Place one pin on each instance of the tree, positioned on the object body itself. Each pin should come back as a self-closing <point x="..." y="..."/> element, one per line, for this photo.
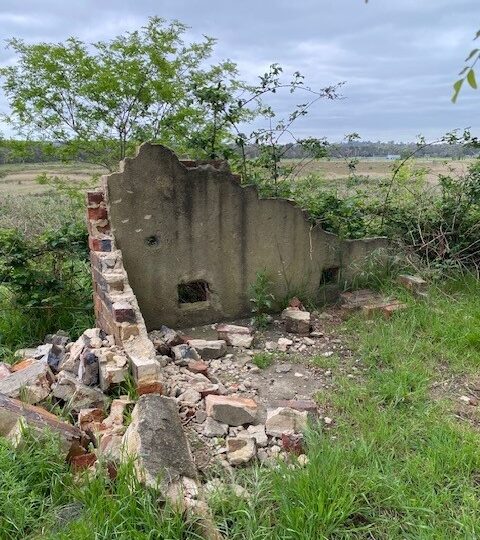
<point x="98" y="101"/>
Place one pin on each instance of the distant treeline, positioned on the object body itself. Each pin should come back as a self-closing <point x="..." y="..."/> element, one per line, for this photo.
<point x="369" y="149"/>
<point x="17" y="151"/>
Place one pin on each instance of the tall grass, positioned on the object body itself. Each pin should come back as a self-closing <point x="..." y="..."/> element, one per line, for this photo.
<point x="40" y="498"/>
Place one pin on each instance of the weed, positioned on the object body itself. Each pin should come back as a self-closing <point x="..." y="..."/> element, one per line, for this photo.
<point x="263" y="359"/>
<point x="261" y="298"/>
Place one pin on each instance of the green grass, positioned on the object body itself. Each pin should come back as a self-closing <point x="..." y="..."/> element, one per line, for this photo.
<point x="263" y="360"/>
<point x="25" y="326"/>
<point x="398" y="465"/>
<point x="40" y="498"/>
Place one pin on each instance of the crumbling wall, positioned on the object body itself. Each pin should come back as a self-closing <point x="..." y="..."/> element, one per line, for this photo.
<point x="192" y="239"/>
<point x="116" y="309"/>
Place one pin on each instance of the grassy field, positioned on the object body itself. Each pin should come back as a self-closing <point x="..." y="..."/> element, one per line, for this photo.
<point x="21" y="179"/>
<point x="337" y="169"/>
<point x="400" y="460"/>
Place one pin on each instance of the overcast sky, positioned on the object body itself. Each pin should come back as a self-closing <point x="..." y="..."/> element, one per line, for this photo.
<point x="399" y="58"/>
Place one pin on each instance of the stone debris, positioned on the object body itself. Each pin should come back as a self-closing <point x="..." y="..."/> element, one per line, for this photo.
<point x="30" y="381"/>
<point x="236" y="336"/>
<point x="231" y="410"/>
<point x="4" y="371"/>
<point x="284" y="420"/>
<point x="88" y="372"/>
<point x="415" y="284"/>
<point x="209" y="350"/>
<point x="293" y="443"/>
<point x="284" y="344"/>
<point x="183" y="354"/>
<point x="198" y="366"/>
<point x="295" y="303"/>
<point x="190" y="397"/>
<point x="113" y="368"/>
<point x="14" y="414"/>
<point x="296" y="321"/>
<point x="240" y="450"/>
<point x="77" y="395"/>
<point x="259" y="434"/>
<point x="469" y="400"/>
<point x="369" y="303"/>
<point x="91" y="419"/>
<point x="212" y="428"/>
<point x="156" y="440"/>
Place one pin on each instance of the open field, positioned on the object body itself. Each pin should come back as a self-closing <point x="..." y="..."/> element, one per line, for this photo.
<point x="336" y="169"/>
<point x="21" y="179"/>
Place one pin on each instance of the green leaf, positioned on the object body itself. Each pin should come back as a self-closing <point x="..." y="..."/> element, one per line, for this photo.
<point x="471" y="79"/>
<point x="472" y="54"/>
<point x="456" y="89"/>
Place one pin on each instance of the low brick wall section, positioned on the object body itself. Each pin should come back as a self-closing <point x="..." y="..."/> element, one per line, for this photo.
<point x="116" y="308"/>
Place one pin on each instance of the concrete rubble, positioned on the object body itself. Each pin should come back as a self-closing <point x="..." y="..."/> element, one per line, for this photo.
<point x="155" y="419"/>
<point x="296" y="320"/>
<point x="237" y="336"/>
<point x="369" y="303"/>
<point x="210" y="397"/>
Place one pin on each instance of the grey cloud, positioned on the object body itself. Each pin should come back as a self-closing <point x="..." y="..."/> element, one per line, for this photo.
<point x="398" y="57"/>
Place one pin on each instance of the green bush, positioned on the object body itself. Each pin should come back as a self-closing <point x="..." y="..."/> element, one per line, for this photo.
<point x="440" y="223"/>
<point x="45" y="284"/>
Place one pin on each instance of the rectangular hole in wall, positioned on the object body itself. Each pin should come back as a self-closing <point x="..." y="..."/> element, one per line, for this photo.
<point x="329" y="275"/>
<point x="192" y="292"/>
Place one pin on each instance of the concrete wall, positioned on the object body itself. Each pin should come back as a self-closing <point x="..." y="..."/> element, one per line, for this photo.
<point x="176" y="224"/>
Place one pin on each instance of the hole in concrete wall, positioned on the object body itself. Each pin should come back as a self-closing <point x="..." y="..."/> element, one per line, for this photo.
<point x="193" y="291"/>
<point x="329" y="275"/>
<point x="152" y="240"/>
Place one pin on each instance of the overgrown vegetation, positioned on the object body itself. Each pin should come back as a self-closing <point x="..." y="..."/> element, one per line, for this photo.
<point x="45" y="282"/>
<point x="262" y="299"/>
<point x="398" y="462"/>
<point x="40" y="498"/>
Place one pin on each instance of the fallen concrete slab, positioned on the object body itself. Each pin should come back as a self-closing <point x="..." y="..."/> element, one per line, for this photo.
<point x="14" y="413"/>
<point x="33" y="381"/>
<point x="156" y="440"/>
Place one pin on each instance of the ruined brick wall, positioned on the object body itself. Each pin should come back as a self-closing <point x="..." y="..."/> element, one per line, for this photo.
<point x="192" y="240"/>
<point x="116" y="308"/>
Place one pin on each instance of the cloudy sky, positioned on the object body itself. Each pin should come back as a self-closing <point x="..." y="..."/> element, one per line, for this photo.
<point x="399" y="58"/>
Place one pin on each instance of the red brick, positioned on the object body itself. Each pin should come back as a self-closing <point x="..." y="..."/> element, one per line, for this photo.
<point x="198" y="366"/>
<point x="98" y="213"/>
<point x="150" y="388"/>
<point x="123" y="312"/>
<point x="22" y="365"/>
<point x="95" y="197"/>
<point x="100" y="244"/>
<point x="80" y="463"/>
<point x="292" y="443"/>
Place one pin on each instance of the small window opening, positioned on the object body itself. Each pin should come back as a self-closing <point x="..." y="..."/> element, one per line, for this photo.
<point x="152" y="240"/>
<point x="193" y="291"/>
<point x="329" y="275"/>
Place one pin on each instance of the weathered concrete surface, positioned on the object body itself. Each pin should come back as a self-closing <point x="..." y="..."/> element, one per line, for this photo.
<point x="155" y="438"/>
<point x="14" y="413"/>
<point x="176" y="225"/>
<point x="33" y="378"/>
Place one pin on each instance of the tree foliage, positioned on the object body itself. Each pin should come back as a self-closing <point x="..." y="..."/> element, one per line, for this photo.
<point x="100" y="100"/>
